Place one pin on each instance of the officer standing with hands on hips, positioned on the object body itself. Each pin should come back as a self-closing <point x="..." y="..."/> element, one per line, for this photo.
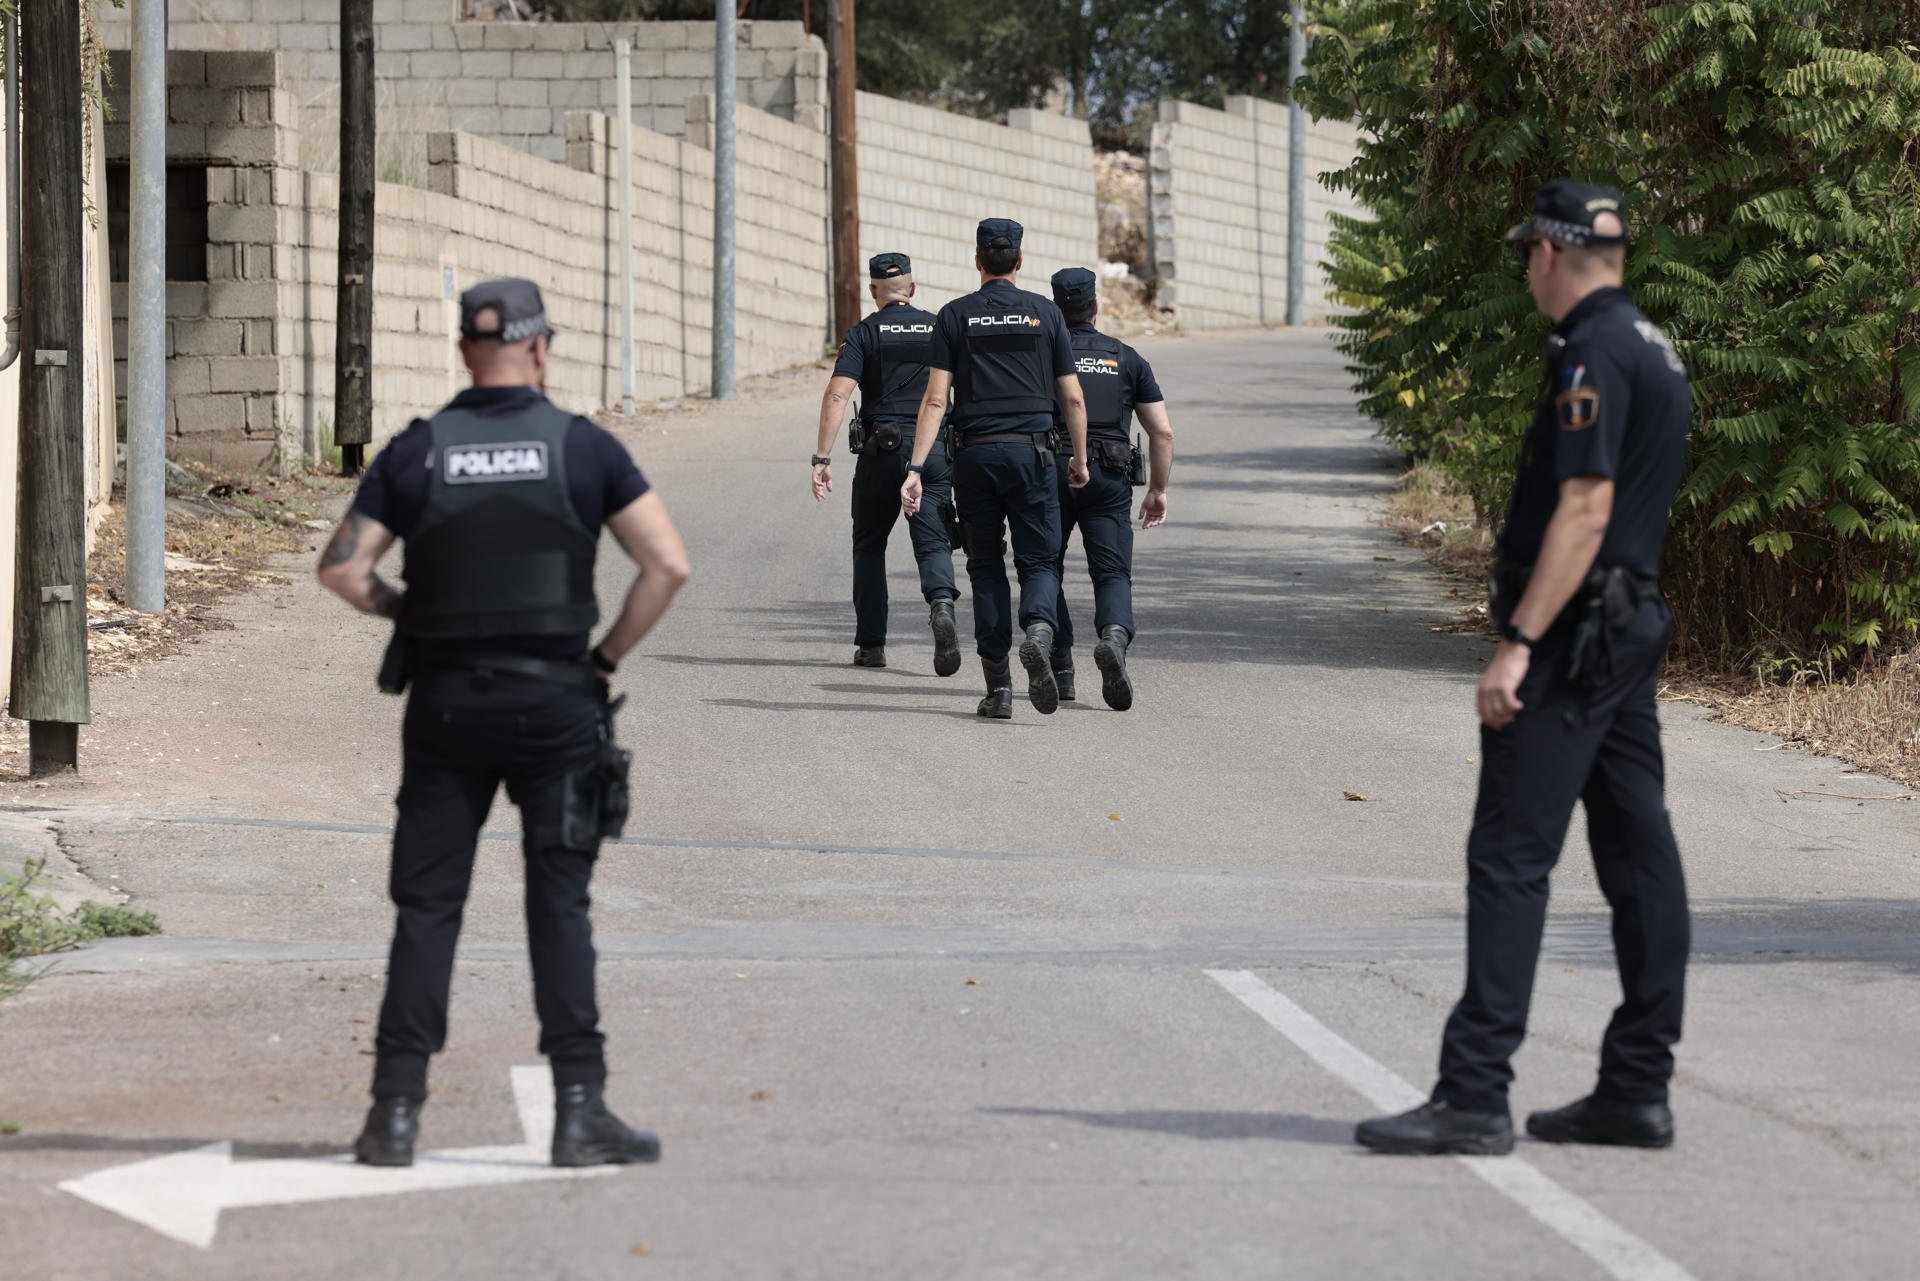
<point x="885" y="357"/>
<point x="1006" y="356"/>
<point x="1117" y="382"/>
<point x="1567" y="705"/>
<point x="500" y="498"/>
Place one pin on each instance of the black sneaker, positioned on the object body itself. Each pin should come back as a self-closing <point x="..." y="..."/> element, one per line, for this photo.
<point x="1036" y="653"/>
<point x="389" y="1134"/>
<point x="946" y="638"/>
<point x="585" y="1132"/>
<point x="1110" y="656"/>
<point x="870" y="656"/>
<point x="1438" y="1129"/>
<point x="1605" y="1121"/>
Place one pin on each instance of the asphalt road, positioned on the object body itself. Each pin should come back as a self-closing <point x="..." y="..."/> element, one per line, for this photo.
<point x="911" y="995"/>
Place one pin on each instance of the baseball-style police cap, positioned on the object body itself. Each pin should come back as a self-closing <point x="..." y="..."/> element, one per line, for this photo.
<point x="1564" y="210"/>
<point x="998" y="233"/>
<point x="517" y="311"/>
<point x="1074" y="287"/>
<point x="887" y="266"/>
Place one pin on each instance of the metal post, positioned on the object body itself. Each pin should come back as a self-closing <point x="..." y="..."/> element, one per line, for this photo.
<point x="10" y="26"/>
<point x="723" y="193"/>
<point x="1296" y="164"/>
<point x="623" y="68"/>
<point x="50" y="580"/>
<point x="353" y="336"/>
<point x="147" y="314"/>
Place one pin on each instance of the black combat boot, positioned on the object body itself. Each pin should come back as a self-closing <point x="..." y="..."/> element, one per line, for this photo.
<point x="1438" y="1129"/>
<point x="870" y="656"/>
<point x="1062" y="664"/>
<point x="389" y="1134"/>
<point x="946" y="638"/>
<point x="1036" y="654"/>
<point x="1110" y="655"/>
<point x="998" y="704"/>
<point x="1605" y="1121"/>
<point x="586" y="1133"/>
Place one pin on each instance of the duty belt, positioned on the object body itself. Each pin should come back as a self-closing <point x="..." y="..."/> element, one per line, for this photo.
<point x="1037" y="439"/>
<point x="577" y="674"/>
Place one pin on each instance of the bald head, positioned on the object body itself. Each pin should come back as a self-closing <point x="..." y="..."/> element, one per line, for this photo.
<point x="493" y="363"/>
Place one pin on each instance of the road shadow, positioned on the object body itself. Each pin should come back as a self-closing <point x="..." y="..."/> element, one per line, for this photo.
<point x="771" y="705"/>
<point x="711" y="660"/>
<point x="1288" y="1127"/>
<point x="161" y="1145"/>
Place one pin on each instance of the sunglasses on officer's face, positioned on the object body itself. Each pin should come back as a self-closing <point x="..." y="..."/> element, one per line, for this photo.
<point x="1523" y="250"/>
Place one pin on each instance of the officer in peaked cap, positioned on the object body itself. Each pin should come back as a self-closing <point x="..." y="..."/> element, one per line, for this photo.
<point x="1117" y="383"/>
<point x="885" y="358"/>
<point x="500" y="498"/>
<point x="1005" y="355"/>
<point x="1567" y="707"/>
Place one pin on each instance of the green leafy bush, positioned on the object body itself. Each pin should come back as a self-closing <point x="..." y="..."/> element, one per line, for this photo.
<point x="1768" y="148"/>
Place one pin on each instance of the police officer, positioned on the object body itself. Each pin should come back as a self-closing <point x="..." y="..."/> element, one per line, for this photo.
<point x="1006" y="356"/>
<point x="500" y="498"/>
<point x="885" y="357"/>
<point x="1567" y="705"/>
<point x="1116" y="381"/>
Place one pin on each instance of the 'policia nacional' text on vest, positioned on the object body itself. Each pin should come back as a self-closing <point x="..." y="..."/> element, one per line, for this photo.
<point x="1098" y="360"/>
<point x="499" y="550"/>
<point x="1004" y="365"/>
<point x="893" y="379"/>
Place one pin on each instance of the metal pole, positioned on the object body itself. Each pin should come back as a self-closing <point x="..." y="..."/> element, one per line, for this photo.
<point x="623" y="68"/>
<point x="147" y="314"/>
<point x="353" y="316"/>
<point x="1296" y="164"/>
<point x="50" y="579"/>
<point x="723" y="192"/>
<point x="10" y="25"/>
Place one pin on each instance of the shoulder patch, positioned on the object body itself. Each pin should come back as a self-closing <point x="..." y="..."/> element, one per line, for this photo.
<point x="1578" y="404"/>
<point x="1650" y="333"/>
<point x="483" y="464"/>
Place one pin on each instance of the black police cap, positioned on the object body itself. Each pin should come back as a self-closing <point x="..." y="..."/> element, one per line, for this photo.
<point x="1074" y="286"/>
<point x="887" y="266"/>
<point x="1564" y="210"/>
<point x="518" y="312"/>
<point x="998" y="233"/>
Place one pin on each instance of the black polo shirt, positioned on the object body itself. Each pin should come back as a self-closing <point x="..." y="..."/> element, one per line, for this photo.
<point x="601" y="481"/>
<point x="949" y="336"/>
<point x="1615" y="405"/>
<point x="905" y="383"/>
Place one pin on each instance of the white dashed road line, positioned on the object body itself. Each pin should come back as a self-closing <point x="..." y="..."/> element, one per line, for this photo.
<point x="1623" y="1255"/>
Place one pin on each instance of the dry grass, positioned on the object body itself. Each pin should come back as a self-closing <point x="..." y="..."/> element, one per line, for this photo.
<point x="1432" y="513"/>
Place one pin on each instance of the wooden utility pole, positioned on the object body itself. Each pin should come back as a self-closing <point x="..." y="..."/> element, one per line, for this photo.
<point x="50" y="581"/>
<point x="353" y="337"/>
<point x="845" y="163"/>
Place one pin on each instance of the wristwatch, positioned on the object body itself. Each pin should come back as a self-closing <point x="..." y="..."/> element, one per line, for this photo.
<point x="917" y="468"/>
<point x="1512" y="633"/>
<point x="823" y="460"/>
<point x="601" y="663"/>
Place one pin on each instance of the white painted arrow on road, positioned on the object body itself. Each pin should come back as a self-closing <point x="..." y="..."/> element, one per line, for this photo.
<point x="180" y="1195"/>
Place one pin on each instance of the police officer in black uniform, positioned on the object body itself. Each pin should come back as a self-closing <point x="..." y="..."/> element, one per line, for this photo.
<point x="885" y="358"/>
<point x="500" y="498"/>
<point x="1116" y="381"/>
<point x="1006" y="356"/>
<point x="1567" y="705"/>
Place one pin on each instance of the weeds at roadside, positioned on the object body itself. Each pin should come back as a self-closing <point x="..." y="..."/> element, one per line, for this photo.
<point x="33" y="925"/>
<point x="1431" y="511"/>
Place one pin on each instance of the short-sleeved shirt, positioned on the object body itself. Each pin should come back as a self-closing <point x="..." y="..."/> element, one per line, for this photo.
<point x="859" y="347"/>
<point x="602" y="480"/>
<point x="949" y="338"/>
<point x="1138" y="384"/>
<point x="1615" y="406"/>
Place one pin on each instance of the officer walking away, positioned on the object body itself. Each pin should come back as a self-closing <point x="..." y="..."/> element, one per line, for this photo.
<point x="1006" y="356"/>
<point x="885" y="357"/>
<point x="1567" y="705"/>
<point x="500" y="498"/>
<point x="1117" y="383"/>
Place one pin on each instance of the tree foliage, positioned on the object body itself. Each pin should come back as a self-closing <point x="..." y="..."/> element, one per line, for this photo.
<point x="1770" y="150"/>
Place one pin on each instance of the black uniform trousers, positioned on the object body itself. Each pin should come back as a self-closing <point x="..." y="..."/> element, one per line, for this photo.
<point x="877" y="478"/>
<point x="1601" y="748"/>
<point x="1104" y="513"/>
<point x="465" y="734"/>
<point x="1001" y="487"/>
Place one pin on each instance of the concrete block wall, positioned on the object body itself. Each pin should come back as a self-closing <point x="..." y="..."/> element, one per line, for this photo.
<point x="513" y="82"/>
<point x="1218" y="211"/>
<point x="927" y="177"/>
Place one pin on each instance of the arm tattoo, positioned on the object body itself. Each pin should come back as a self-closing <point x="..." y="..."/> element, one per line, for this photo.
<point x="383" y="599"/>
<point x="346" y="541"/>
<point x="836" y="397"/>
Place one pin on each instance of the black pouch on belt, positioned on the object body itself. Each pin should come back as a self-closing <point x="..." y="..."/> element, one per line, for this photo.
<point x="396" y="665"/>
<point x="885" y="439"/>
<point x="1112" y="455"/>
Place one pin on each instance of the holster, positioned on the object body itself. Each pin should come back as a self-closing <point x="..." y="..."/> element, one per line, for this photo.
<point x="599" y="797"/>
<point x="1608" y="602"/>
<point x="396" y="665"/>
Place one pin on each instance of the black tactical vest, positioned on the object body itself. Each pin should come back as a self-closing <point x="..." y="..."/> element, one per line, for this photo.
<point x="1004" y="367"/>
<point x="499" y="550"/>
<point x="893" y="380"/>
<point x="1103" y="384"/>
